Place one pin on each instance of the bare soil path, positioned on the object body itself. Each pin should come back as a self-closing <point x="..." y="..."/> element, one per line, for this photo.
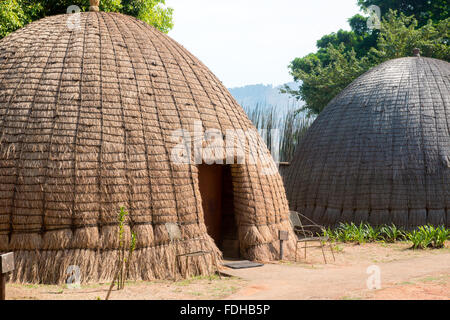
<point x="275" y="281"/>
<point x="404" y="274"/>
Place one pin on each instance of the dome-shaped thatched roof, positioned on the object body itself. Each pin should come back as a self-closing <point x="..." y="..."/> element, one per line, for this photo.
<point x="380" y="151"/>
<point x="87" y="116"/>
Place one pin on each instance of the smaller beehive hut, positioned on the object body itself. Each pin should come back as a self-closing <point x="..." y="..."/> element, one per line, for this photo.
<point x="380" y="151"/>
<point x="89" y="106"/>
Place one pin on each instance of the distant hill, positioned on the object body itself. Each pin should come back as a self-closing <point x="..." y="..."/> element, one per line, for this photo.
<point x="266" y="96"/>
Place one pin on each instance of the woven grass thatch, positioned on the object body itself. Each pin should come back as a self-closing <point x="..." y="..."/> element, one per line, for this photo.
<point x="380" y="151"/>
<point x="86" y="117"/>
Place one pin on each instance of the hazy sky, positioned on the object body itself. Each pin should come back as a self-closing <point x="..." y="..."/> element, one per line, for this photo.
<point x="253" y="41"/>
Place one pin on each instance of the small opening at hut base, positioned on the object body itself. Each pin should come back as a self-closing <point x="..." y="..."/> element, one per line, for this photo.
<point x="216" y="189"/>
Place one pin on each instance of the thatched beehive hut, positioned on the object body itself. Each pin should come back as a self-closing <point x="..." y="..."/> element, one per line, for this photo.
<point x="87" y="115"/>
<point x="380" y="151"/>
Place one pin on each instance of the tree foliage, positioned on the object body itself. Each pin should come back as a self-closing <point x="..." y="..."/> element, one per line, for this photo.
<point x="343" y="56"/>
<point x="15" y="14"/>
<point x="400" y="34"/>
<point x="422" y="10"/>
<point x="323" y="81"/>
<point x="151" y="12"/>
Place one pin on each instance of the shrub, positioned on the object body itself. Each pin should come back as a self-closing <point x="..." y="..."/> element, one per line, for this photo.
<point x="360" y="234"/>
<point x="429" y="237"/>
<point x="423" y="237"/>
<point x="392" y="234"/>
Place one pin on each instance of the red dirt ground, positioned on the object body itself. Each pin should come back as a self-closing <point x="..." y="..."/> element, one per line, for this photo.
<point x="404" y="274"/>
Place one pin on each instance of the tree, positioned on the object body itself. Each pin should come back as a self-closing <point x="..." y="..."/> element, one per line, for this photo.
<point x="321" y="82"/>
<point x="326" y="73"/>
<point x="400" y="35"/>
<point x="360" y="39"/>
<point x="418" y="23"/>
<point x="15" y="14"/>
<point x="422" y="10"/>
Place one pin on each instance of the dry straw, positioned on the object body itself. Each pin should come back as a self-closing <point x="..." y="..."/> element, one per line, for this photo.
<point x="86" y="117"/>
<point x="380" y="151"/>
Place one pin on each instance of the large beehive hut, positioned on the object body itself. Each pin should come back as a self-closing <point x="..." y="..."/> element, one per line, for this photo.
<point x="87" y="112"/>
<point x="380" y="151"/>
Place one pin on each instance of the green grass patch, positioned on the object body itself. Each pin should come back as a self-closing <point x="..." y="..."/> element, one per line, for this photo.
<point x="423" y="237"/>
<point x="186" y="282"/>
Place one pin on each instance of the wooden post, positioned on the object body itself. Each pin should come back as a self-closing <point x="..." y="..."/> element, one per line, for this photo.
<point x="6" y="266"/>
<point x="283" y="235"/>
<point x="2" y="286"/>
<point x="281" y="249"/>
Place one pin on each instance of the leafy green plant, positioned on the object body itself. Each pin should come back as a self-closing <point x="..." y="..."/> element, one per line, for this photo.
<point x="121" y="260"/>
<point x="419" y="238"/>
<point x="360" y="234"/>
<point x="392" y="233"/>
<point x="128" y="259"/>
<point x="372" y="233"/>
<point x="441" y="235"/>
<point x="423" y="237"/>
<point x="330" y="234"/>
<point x="429" y="237"/>
<point x="123" y="263"/>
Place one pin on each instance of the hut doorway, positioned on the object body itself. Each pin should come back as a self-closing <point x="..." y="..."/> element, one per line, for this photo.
<point x="216" y="189"/>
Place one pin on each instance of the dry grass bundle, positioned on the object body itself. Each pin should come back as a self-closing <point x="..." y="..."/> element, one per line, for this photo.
<point x="291" y="125"/>
<point x="86" y="118"/>
<point x="379" y="151"/>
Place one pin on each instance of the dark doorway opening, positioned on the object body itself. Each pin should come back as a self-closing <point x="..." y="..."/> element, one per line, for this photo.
<point x="216" y="189"/>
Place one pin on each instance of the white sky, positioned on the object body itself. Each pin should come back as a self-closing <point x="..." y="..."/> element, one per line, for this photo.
<point x="253" y="41"/>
